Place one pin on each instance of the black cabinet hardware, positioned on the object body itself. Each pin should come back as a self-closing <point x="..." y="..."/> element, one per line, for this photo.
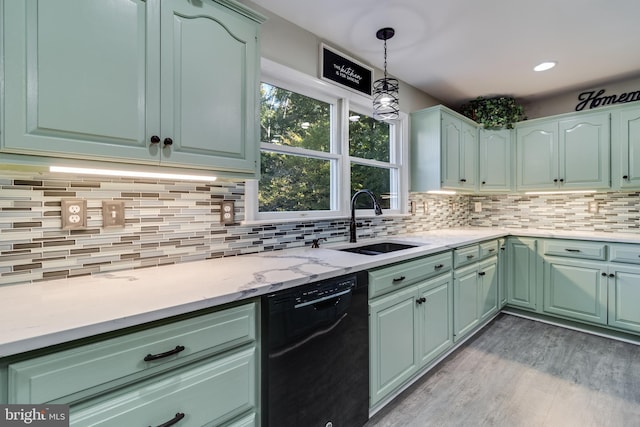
<point x="604" y="274"/>
<point x="167" y="141"/>
<point x="172" y="421"/>
<point x="438" y="267"/>
<point x="482" y="273"/>
<point x="463" y="180"/>
<point x="150" y="357"/>
<point x="625" y="176"/>
<point x="555" y="180"/>
<point x="612" y="275"/>
<point x="470" y="256"/>
<point x="398" y="279"/>
<point x="155" y="139"/>
<point x="421" y="300"/>
<point x="572" y="250"/>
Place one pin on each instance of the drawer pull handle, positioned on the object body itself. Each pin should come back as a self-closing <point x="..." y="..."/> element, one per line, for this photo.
<point x="492" y="250"/>
<point x="470" y="256"/>
<point x="572" y="250"/>
<point x="172" y="421"/>
<point x="398" y="279"/>
<point x="149" y="357"/>
<point x="439" y="266"/>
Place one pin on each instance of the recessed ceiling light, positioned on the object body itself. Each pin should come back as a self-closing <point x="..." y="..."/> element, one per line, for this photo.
<point x="545" y="66"/>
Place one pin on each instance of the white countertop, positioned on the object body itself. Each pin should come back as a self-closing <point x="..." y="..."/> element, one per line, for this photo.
<point x="52" y="312"/>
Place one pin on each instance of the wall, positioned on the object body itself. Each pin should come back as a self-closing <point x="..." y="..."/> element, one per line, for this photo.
<point x="166" y="223"/>
<point x="617" y="212"/>
<point x="290" y="45"/>
<point x="566" y="101"/>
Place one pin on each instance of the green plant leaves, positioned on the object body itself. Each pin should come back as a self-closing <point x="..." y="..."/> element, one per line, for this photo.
<point x="494" y="113"/>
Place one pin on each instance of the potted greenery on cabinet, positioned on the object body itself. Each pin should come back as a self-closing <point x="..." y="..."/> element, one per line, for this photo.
<point x="494" y="113"/>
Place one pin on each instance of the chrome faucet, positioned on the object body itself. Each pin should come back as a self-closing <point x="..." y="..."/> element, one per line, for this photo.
<point x="352" y="224"/>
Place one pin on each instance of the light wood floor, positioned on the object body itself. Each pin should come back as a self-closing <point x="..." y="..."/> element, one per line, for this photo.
<point x="519" y="372"/>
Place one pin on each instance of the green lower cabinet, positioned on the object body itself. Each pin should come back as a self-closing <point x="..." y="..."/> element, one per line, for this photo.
<point x="475" y="295"/>
<point x="435" y="322"/>
<point x="502" y="272"/>
<point x="207" y="394"/>
<point x="522" y="272"/>
<point x="624" y="297"/>
<point x="575" y="289"/>
<point x="408" y="329"/>
<point x="466" y="294"/>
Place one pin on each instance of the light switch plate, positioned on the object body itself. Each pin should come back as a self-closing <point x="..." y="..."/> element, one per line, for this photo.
<point x="113" y="214"/>
<point x="227" y="215"/>
<point x="73" y="213"/>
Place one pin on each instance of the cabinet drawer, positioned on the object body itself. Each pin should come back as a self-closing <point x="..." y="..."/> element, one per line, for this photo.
<point x="625" y="253"/>
<point x="210" y="393"/>
<point x="576" y="249"/>
<point x="488" y="249"/>
<point x="387" y="279"/>
<point x="466" y="255"/>
<point x="54" y="376"/>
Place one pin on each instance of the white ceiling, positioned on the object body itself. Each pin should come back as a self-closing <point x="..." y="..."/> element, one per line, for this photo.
<point x="456" y="50"/>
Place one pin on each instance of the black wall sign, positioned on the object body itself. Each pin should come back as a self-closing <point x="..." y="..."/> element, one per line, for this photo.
<point x="344" y="71"/>
<point x="592" y="99"/>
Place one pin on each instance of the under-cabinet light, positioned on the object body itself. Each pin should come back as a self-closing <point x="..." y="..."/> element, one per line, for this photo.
<point x="561" y="192"/>
<point x="447" y="192"/>
<point x="131" y="174"/>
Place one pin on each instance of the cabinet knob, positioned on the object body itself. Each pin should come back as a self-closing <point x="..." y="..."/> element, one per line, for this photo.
<point x="155" y="139"/>
<point x="482" y="273"/>
<point x="625" y="176"/>
<point x="484" y="182"/>
<point x="463" y="180"/>
<point x="421" y="300"/>
<point x="561" y="179"/>
<point x="168" y="141"/>
<point x="612" y="275"/>
<point x="604" y="274"/>
<point x="555" y="180"/>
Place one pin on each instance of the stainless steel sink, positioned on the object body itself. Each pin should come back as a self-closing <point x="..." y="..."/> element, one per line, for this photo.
<point x="379" y="248"/>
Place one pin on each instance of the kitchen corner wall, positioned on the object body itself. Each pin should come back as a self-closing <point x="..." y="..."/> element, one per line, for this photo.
<point x="616" y="212"/>
<point x="166" y="223"/>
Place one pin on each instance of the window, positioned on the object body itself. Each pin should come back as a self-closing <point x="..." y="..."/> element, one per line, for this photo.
<point x="319" y="145"/>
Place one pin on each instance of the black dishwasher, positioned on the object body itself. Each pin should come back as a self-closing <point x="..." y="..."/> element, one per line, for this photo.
<point x="316" y="354"/>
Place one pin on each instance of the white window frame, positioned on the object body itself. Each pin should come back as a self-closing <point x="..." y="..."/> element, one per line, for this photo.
<point x="342" y="102"/>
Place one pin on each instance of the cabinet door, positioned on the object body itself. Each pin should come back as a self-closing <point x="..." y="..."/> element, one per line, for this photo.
<point x="209" y="86"/>
<point x="495" y="160"/>
<point x="435" y="317"/>
<point x="488" y="288"/>
<point x="537" y="155"/>
<point x="522" y="272"/>
<point x="575" y="289"/>
<point x="627" y="144"/>
<point x="392" y="338"/>
<point x="466" y="294"/>
<point x="77" y="78"/>
<point x="459" y="154"/>
<point x="624" y="294"/>
<point x="584" y="152"/>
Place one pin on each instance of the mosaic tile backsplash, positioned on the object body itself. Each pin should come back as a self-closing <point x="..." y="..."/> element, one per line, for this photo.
<point x="172" y="222"/>
<point x="166" y="222"/>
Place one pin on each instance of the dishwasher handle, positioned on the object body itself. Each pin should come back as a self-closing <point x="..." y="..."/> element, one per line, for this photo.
<point x="322" y="299"/>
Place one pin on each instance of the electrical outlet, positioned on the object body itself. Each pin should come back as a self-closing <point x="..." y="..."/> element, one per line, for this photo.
<point x="477" y="206"/>
<point x="227" y="212"/>
<point x="593" y="207"/>
<point x="113" y="213"/>
<point x="73" y="213"/>
<point x="412" y="207"/>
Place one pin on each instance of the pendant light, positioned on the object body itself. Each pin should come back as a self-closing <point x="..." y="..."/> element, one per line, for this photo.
<point x="385" y="90"/>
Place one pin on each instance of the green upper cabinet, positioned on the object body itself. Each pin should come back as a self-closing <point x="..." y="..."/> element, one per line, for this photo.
<point x="625" y="148"/>
<point x="459" y="154"/>
<point x="147" y="82"/>
<point x="444" y="151"/>
<point x="495" y="161"/>
<point x="567" y="153"/>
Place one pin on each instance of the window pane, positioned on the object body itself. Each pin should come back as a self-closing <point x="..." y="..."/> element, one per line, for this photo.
<point x="293" y="183"/>
<point x="288" y="118"/>
<point x="368" y="138"/>
<point x="378" y="180"/>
